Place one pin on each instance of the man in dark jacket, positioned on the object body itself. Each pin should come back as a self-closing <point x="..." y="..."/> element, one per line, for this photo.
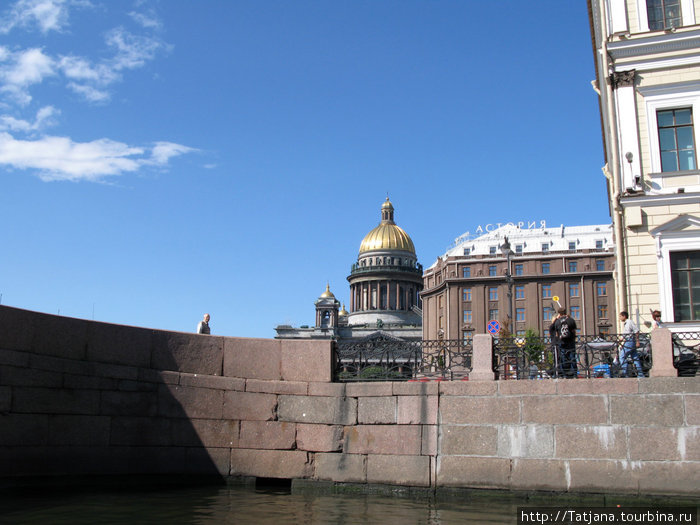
<point x="565" y="329"/>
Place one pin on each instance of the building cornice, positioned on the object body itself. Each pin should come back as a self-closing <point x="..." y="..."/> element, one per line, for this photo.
<point x="669" y="199"/>
<point x="651" y="45"/>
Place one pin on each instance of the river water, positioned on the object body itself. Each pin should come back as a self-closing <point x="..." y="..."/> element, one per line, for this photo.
<point x="241" y="505"/>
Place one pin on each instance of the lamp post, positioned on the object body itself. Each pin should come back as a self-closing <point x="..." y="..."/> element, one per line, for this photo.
<point x="506" y="250"/>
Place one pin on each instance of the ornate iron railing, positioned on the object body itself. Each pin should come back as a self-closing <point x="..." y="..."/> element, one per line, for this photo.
<point x="390" y="360"/>
<point x="593" y="356"/>
<point x="686" y="353"/>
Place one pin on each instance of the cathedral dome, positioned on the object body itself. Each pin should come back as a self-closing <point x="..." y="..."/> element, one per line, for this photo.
<point x="387" y="236"/>
<point x="327" y="294"/>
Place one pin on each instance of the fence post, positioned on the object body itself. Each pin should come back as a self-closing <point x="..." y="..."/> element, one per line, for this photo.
<point x="482" y="358"/>
<point x="662" y="354"/>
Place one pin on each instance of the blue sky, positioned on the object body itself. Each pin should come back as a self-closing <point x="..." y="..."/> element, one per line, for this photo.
<point x="162" y="159"/>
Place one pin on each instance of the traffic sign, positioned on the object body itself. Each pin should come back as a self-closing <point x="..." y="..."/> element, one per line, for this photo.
<point x="494" y="327"/>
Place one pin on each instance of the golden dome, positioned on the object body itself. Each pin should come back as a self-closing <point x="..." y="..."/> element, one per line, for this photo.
<point x="343" y="311"/>
<point x="327" y="294"/>
<point x="387" y="236"/>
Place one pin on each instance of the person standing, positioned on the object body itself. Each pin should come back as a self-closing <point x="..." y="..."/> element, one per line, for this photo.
<point x="656" y="320"/>
<point x="630" y="342"/>
<point x="203" y="326"/>
<point x="565" y="328"/>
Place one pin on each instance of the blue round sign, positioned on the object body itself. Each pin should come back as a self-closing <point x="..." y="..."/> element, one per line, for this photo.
<point x="494" y="327"/>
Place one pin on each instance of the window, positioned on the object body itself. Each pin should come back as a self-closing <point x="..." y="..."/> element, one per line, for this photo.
<point x="467" y="271"/>
<point x="520" y="292"/>
<point x="599" y="245"/>
<point x="676" y="143"/>
<point x="602" y="311"/>
<point x="572" y="246"/>
<point x="547" y="314"/>
<point x="518" y="269"/>
<point x="600" y="265"/>
<point x="685" y="282"/>
<point x="545" y="247"/>
<point x="601" y="288"/>
<point x="574" y="290"/>
<point x="545" y="267"/>
<point x="466" y="294"/>
<point x="493" y="315"/>
<point x="493" y="293"/>
<point x="467" y="316"/>
<point x="573" y="266"/>
<point x="493" y="270"/>
<point x="492" y="250"/>
<point x="467" y="251"/>
<point x="575" y="312"/>
<point x="663" y="14"/>
<point x="546" y="291"/>
<point x="466" y="337"/>
<point x="603" y="331"/>
<point x="519" y="249"/>
<point x="520" y="314"/>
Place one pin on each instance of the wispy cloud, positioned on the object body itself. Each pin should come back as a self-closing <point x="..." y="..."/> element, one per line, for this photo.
<point x="20" y="70"/>
<point x="62" y="159"/>
<point x="44" y="118"/>
<point x="46" y="15"/>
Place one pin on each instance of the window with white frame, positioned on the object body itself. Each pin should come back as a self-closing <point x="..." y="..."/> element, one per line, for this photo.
<point x="685" y="283"/>
<point x="676" y="143"/>
<point x="657" y="15"/>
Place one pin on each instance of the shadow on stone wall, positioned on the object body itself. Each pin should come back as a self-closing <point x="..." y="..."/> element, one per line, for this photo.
<point x="83" y="398"/>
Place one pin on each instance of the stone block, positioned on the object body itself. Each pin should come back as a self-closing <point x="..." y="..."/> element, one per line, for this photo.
<point x="298" y="388"/>
<point x="194" y="353"/>
<point x="249" y="406"/>
<point x="54" y="401"/>
<point x="473" y="472"/>
<point x="317" y="409"/>
<point x="23" y="430"/>
<point x="216" y="382"/>
<point x="526" y="441"/>
<point x="594" y="441"/>
<point x="346" y="468"/>
<point x="117" y="403"/>
<point x="417" y="410"/>
<point x="58" y="364"/>
<point x="327" y="389"/>
<point x="87" y="382"/>
<point x="125" y="345"/>
<point x="596" y="386"/>
<point x="654" y="444"/>
<point x="665" y="477"/>
<point x="306" y="360"/>
<point x="525" y="388"/>
<point x="468" y="388"/>
<point x="16" y="328"/>
<point x="689" y="443"/>
<point x="383" y="439"/>
<point x="468" y="440"/>
<point x="429" y="446"/>
<point x="14" y="357"/>
<point x="5" y="399"/>
<point x="647" y="410"/>
<point x="149" y="375"/>
<point x="413" y="471"/>
<point x="416" y="388"/>
<point x="538" y="474"/>
<point x="190" y="402"/>
<point x="692" y="409"/>
<point x="373" y="410"/>
<point x="79" y="430"/>
<point x="252" y="358"/>
<point x="267" y="435"/>
<point x="217" y="433"/>
<point x="383" y="388"/>
<point x="670" y="385"/>
<point x="59" y="336"/>
<point x="114" y="371"/>
<point x="128" y="385"/>
<point x="209" y="461"/>
<point x="141" y="431"/>
<point x="22" y="376"/>
<point x="589" y="475"/>
<point x="479" y="410"/>
<point x="283" y="464"/>
<point x="319" y="438"/>
<point x="565" y="410"/>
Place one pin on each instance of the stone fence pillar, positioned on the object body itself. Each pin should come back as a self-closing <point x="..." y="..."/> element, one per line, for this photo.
<point x="482" y="358"/>
<point x="662" y="354"/>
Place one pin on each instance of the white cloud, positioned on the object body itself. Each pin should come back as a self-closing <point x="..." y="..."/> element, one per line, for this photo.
<point x="89" y="93"/>
<point x="44" y="117"/>
<point x="132" y="51"/>
<point x="62" y="159"/>
<point x="147" y="20"/>
<point x="25" y="68"/>
<point x="47" y="15"/>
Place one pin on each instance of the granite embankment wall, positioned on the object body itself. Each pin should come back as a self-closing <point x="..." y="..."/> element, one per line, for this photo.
<point x="86" y="398"/>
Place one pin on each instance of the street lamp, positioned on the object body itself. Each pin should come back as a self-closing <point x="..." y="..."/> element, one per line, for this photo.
<point x="506" y="250"/>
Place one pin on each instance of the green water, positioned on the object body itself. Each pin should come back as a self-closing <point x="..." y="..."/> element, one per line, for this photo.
<point x="239" y="505"/>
